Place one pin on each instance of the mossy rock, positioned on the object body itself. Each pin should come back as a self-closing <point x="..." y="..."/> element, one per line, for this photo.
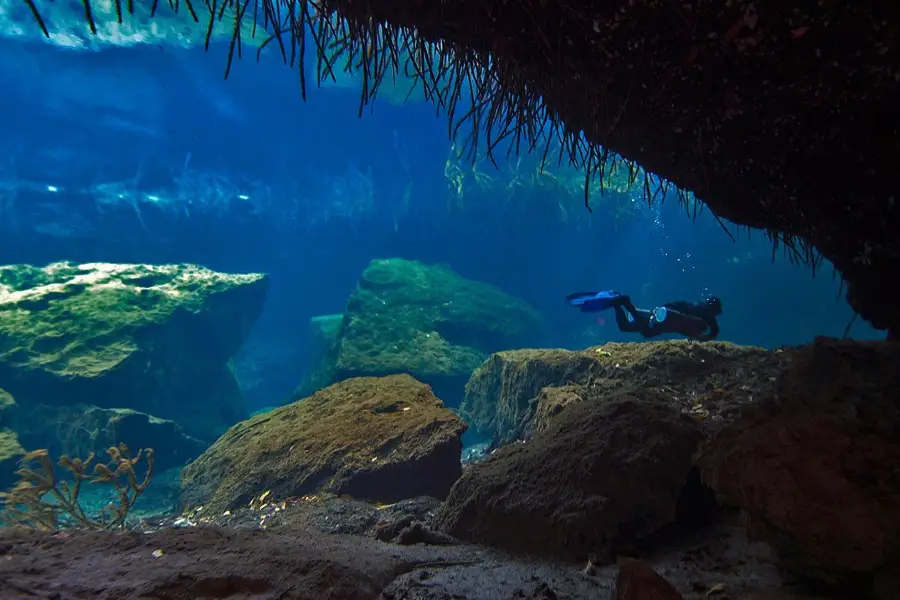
<point x="378" y="439"/>
<point x="157" y="339"/>
<point x="517" y="393"/>
<point x="425" y="320"/>
<point x="10" y="448"/>
<point x="79" y="430"/>
<point x="11" y="451"/>
<point x="602" y="477"/>
<point x="9" y="411"/>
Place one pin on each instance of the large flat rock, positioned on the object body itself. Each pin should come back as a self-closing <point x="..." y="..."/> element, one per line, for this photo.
<point x="156" y="339"/>
<point x="515" y="393"/>
<point x="381" y="439"/>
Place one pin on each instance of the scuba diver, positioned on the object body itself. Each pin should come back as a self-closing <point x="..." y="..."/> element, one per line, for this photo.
<point x="695" y="320"/>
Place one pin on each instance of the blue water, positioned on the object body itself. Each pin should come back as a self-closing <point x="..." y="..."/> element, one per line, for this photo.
<point x="309" y="193"/>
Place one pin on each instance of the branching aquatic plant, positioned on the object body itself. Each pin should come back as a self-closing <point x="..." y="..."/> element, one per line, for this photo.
<point x="40" y="500"/>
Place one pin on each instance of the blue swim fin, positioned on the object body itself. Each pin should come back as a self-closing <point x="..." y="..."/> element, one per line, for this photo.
<point x="579" y="298"/>
<point x="593" y="301"/>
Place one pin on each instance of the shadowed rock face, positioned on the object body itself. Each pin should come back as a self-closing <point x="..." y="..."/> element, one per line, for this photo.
<point x="805" y="441"/>
<point x="603" y="475"/>
<point x="781" y="116"/>
<point x="815" y="467"/>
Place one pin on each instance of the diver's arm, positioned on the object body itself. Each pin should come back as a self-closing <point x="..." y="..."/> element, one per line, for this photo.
<point x="713" y="332"/>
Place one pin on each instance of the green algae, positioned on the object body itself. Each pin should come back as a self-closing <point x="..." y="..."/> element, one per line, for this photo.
<point x="156" y="338"/>
<point x="84" y="320"/>
<point x="425" y="320"/>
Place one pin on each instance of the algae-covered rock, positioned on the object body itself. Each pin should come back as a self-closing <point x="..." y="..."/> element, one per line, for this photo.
<point x="515" y="393"/>
<point x="78" y="430"/>
<point x="603" y="476"/>
<point x="153" y="338"/>
<point x="11" y="451"/>
<point x="379" y="439"/>
<point x="425" y="320"/>
<point x="9" y="411"/>
<point x="10" y="448"/>
<point x="816" y="466"/>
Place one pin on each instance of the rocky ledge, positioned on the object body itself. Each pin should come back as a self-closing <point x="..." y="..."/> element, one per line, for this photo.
<point x="803" y="441"/>
<point x="93" y="355"/>
<point x="777" y="477"/>
<point x="517" y="393"/>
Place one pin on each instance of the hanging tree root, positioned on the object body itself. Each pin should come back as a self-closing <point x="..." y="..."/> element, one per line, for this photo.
<point x="699" y="92"/>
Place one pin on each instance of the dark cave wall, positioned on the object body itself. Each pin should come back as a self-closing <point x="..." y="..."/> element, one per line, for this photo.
<point x="780" y="116"/>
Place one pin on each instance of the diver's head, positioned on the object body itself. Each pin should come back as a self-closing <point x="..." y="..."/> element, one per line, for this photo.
<point x="714" y="305"/>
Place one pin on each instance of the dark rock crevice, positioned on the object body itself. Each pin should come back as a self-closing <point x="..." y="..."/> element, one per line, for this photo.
<point x="695" y="510"/>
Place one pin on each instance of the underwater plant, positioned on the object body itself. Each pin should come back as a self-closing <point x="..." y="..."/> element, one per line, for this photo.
<point x="532" y="183"/>
<point x="42" y="501"/>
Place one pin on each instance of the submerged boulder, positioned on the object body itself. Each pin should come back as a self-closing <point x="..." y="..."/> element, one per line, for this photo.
<point x="805" y="441"/>
<point x="9" y="411"/>
<point x="11" y="449"/>
<point x="515" y="393"/>
<point x="425" y="320"/>
<point x="604" y="475"/>
<point x="78" y="430"/>
<point x="156" y="339"/>
<point x="816" y="466"/>
<point x="379" y="439"/>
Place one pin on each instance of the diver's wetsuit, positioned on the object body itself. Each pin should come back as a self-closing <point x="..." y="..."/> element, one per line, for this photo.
<point x="675" y="322"/>
<point x="693" y="320"/>
<point x="706" y="311"/>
